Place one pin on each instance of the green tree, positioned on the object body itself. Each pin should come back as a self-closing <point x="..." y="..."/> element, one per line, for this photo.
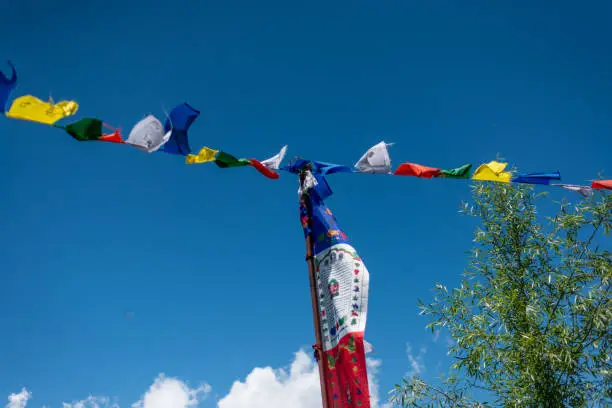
<point x="531" y="319"/>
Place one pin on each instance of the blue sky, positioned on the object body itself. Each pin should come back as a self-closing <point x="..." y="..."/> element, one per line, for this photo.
<point x="211" y="261"/>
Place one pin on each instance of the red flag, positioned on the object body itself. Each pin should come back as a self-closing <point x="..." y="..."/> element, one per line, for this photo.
<point x="411" y="169"/>
<point x="114" y="137"/>
<point x="263" y="169"/>
<point x="602" y="184"/>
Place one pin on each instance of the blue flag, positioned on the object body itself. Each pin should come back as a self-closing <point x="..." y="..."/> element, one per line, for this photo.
<point x="537" y="178"/>
<point x="318" y="167"/>
<point x="181" y="118"/>
<point x="6" y="87"/>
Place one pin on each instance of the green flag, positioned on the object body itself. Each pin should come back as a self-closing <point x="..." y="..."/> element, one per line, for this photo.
<point x="225" y="160"/>
<point x="459" y="172"/>
<point x="85" y="129"/>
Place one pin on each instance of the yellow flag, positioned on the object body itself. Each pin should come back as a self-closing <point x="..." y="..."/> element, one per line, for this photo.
<point x="205" y="155"/>
<point x="28" y="107"/>
<point x="492" y="171"/>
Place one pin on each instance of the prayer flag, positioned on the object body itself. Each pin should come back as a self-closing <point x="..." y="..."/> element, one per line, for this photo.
<point x="537" y="178"/>
<point x="6" y="87"/>
<point x="585" y="191"/>
<point x="342" y="296"/>
<point x="30" y="108"/>
<point x="263" y="169"/>
<point x="148" y="135"/>
<point x="492" y="171"/>
<point x="317" y="167"/>
<point x="417" y="170"/>
<point x="85" y="129"/>
<point x="206" y="154"/>
<point x="375" y="161"/>
<point x="225" y="160"/>
<point x="178" y="123"/>
<point x="273" y="163"/>
<point x="462" y="172"/>
<point x="602" y="184"/>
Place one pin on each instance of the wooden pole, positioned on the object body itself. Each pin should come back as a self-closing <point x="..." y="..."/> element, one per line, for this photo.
<point x="313" y="296"/>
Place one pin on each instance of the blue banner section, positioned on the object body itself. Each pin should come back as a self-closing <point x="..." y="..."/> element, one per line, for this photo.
<point x="323" y="224"/>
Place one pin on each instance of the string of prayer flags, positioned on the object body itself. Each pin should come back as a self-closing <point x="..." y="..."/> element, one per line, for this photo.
<point x="148" y="135"/>
<point x="225" y="160"/>
<point x="462" y="172"/>
<point x="492" y="171"/>
<point x="206" y="154"/>
<point x="585" y="191"/>
<point x="416" y="170"/>
<point x="30" y="108"/>
<point x="178" y="123"/>
<point x="602" y="184"/>
<point x="537" y="178"/>
<point x="6" y="87"/>
<point x="376" y="160"/>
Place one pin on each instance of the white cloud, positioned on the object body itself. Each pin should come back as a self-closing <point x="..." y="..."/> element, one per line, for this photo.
<point x="91" y="402"/>
<point x="436" y="336"/>
<point x="373" y="366"/>
<point x="296" y="386"/>
<point x="269" y="388"/>
<point x="416" y="362"/>
<point x="168" y="392"/>
<point x="19" y="400"/>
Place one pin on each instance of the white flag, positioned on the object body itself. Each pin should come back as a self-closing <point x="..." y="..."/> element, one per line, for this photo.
<point x="148" y="135"/>
<point x="273" y="163"/>
<point x="376" y="160"/>
<point x="585" y="191"/>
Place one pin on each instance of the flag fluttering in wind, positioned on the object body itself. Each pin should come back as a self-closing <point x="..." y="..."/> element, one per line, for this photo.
<point x="206" y="154"/>
<point x="177" y="124"/>
<point x="537" y="178"/>
<point x="492" y="171"/>
<point x="6" y="87"/>
<point x="462" y="172"/>
<point x="273" y="163"/>
<point x="30" y="108"/>
<point x="584" y="191"/>
<point x="416" y="170"/>
<point x="342" y="299"/>
<point x="148" y="135"/>
<point x="225" y="160"/>
<point x="376" y="160"/>
<point x="602" y="184"/>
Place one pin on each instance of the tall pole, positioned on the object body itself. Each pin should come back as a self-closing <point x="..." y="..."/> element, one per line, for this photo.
<point x="313" y="296"/>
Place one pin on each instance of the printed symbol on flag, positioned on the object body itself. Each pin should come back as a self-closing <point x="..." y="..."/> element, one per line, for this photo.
<point x="334" y="288"/>
<point x="356" y="289"/>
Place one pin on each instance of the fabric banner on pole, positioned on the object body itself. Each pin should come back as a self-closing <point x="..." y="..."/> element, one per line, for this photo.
<point x="342" y="287"/>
